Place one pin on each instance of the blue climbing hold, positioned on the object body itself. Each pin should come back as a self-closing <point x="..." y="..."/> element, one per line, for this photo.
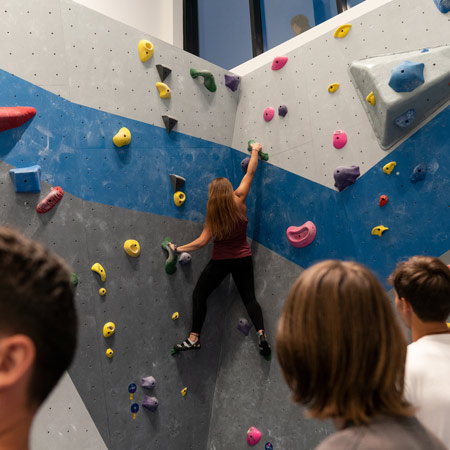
<point x="244" y="164"/>
<point x="268" y="446"/>
<point x="424" y="50"/>
<point x="344" y="176"/>
<point x="443" y="5"/>
<point x="406" y="119"/>
<point x="232" y="82"/>
<point x="407" y="76"/>
<point x="282" y="110"/>
<point x="27" y="179"/>
<point x="419" y="173"/>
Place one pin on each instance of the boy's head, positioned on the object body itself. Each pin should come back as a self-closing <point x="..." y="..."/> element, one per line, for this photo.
<point x="38" y="321"/>
<point x="300" y="24"/>
<point x="423" y="282"/>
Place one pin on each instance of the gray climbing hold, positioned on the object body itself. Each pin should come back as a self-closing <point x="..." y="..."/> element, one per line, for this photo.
<point x="185" y="258"/>
<point x="148" y="382"/>
<point x="407" y="76"/>
<point x="419" y="173"/>
<point x="150" y="403"/>
<point x="177" y="182"/>
<point x="344" y="176"/>
<point x="244" y="326"/>
<point x="282" y="110"/>
<point x="244" y="164"/>
<point x="443" y="5"/>
<point x="232" y="82"/>
<point x="406" y="119"/>
<point x="163" y="71"/>
<point x="169" y="122"/>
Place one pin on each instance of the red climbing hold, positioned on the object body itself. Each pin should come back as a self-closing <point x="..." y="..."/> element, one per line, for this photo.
<point x="52" y="198"/>
<point x="383" y="200"/>
<point x="13" y="117"/>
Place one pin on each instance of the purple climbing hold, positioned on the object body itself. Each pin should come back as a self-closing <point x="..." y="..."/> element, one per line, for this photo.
<point x="244" y="326"/>
<point x="282" y="110"/>
<point x="150" y="403"/>
<point x="185" y="258"/>
<point x="268" y="114"/>
<point x="344" y="176"/>
<point x="244" y="164"/>
<point x="443" y="5"/>
<point x="279" y="62"/>
<point x="406" y="119"/>
<point x="419" y="173"/>
<point x="407" y="76"/>
<point x="148" y="382"/>
<point x="232" y="82"/>
<point x="339" y="139"/>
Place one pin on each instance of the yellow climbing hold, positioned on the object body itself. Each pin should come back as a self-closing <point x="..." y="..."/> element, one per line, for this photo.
<point x="184" y="391"/>
<point x="179" y="198"/>
<point x="371" y="98"/>
<point x="333" y="87"/>
<point x="109" y="352"/>
<point x="389" y="167"/>
<point x="108" y="329"/>
<point x="97" y="267"/>
<point x="123" y="137"/>
<point x="102" y="291"/>
<point x="132" y="248"/>
<point x="175" y="316"/>
<point x="342" y="31"/>
<point x="379" y="230"/>
<point x="145" y="50"/>
<point x="164" y="90"/>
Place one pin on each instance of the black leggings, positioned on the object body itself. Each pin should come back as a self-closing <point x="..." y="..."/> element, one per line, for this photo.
<point x="241" y="270"/>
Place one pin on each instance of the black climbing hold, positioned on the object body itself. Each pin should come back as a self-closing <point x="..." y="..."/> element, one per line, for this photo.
<point x="163" y="71"/>
<point x="169" y="122"/>
<point x="177" y="182"/>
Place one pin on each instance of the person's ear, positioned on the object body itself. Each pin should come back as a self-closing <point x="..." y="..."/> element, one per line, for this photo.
<point x="405" y="306"/>
<point x="17" y="355"/>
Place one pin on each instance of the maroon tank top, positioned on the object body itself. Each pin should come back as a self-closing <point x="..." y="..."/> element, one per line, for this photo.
<point x="234" y="245"/>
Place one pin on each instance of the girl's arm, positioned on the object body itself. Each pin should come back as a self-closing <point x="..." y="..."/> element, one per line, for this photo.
<point x="244" y="188"/>
<point x="197" y="244"/>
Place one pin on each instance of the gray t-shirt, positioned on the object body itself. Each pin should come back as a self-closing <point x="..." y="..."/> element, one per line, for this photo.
<point x="384" y="433"/>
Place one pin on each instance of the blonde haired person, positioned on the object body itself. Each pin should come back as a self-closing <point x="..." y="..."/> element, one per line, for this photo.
<point x="226" y="222"/>
<point x="343" y="356"/>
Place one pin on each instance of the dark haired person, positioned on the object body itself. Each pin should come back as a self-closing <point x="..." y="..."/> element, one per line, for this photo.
<point x="299" y="24"/>
<point x="422" y="287"/>
<point x="38" y="331"/>
<point x="343" y="353"/>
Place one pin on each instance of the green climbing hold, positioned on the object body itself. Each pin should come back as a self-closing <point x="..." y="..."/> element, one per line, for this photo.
<point x="74" y="279"/>
<point x="208" y="78"/>
<point x="268" y="357"/>
<point x="262" y="155"/>
<point x="173" y="351"/>
<point x="171" y="261"/>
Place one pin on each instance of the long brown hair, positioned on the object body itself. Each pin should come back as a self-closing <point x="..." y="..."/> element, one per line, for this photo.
<point x="340" y="346"/>
<point x="222" y="212"/>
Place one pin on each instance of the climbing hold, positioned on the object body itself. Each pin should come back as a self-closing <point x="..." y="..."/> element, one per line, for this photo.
<point x="148" y="382"/>
<point x="177" y="182"/>
<point x="268" y="114"/>
<point x="282" y="110"/>
<point x="442" y="5"/>
<point x="15" y="116"/>
<point x="171" y="261"/>
<point x="407" y="76"/>
<point x="208" y="78"/>
<point x="108" y="329"/>
<point x="268" y="446"/>
<point x="371" y="98"/>
<point x="132" y="248"/>
<point x="342" y="31"/>
<point x="262" y="155"/>
<point x="109" y="352"/>
<point x="419" y="173"/>
<point x="173" y="351"/>
<point x="134" y="409"/>
<point x="169" y="123"/>
<point x="132" y="389"/>
<point x="406" y="119"/>
<point x="164" y="90"/>
<point x="123" y="137"/>
<point x="383" y="200"/>
<point x="253" y="436"/>
<point x="339" y="139"/>
<point x="151" y="403"/>
<point x="97" y="267"/>
<point x="184" y="391"/>
<point x="179" y="198"/>
<point x="74" y="279"/>
<point x="163" y="71"/>
<point x="185" y="258"/>
<point x="389" y="167"/>
<point x="50" y="200"/>
<point x="145" y="49"/>
<point x="379" y="230"/>
<point x="301" y="236"/>
<point x="244" y="164"/>
<point x="175" y="316"/>
<point x="344" y="176"/>
<point x="424" y="50"/>
<point x="102" y="291"/>
<point x="244" y="326"/>
<point x="279" y="62"/>
<point x="232" y="82"/>
<point x="333" y="87"/>
<point x="27" y="179"/>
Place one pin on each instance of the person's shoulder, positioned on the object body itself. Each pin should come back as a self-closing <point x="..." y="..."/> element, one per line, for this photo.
<point x="344" y="439"/>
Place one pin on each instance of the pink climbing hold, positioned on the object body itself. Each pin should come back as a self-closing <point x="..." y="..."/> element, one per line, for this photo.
<point x="268" y="114"/>
<point x="339" y="138"/>
<point x="279" y="62"/>
<point x="50" y="200"/>
<point x="301" y="236"/>
<point x="253" y="436"/>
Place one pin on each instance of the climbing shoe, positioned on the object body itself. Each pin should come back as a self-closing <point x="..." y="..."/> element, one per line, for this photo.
<point x="264" y="347"/>
<point x="187" y="345"/>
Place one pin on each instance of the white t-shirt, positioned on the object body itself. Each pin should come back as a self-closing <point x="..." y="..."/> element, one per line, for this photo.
<point x="427" y="379"/>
